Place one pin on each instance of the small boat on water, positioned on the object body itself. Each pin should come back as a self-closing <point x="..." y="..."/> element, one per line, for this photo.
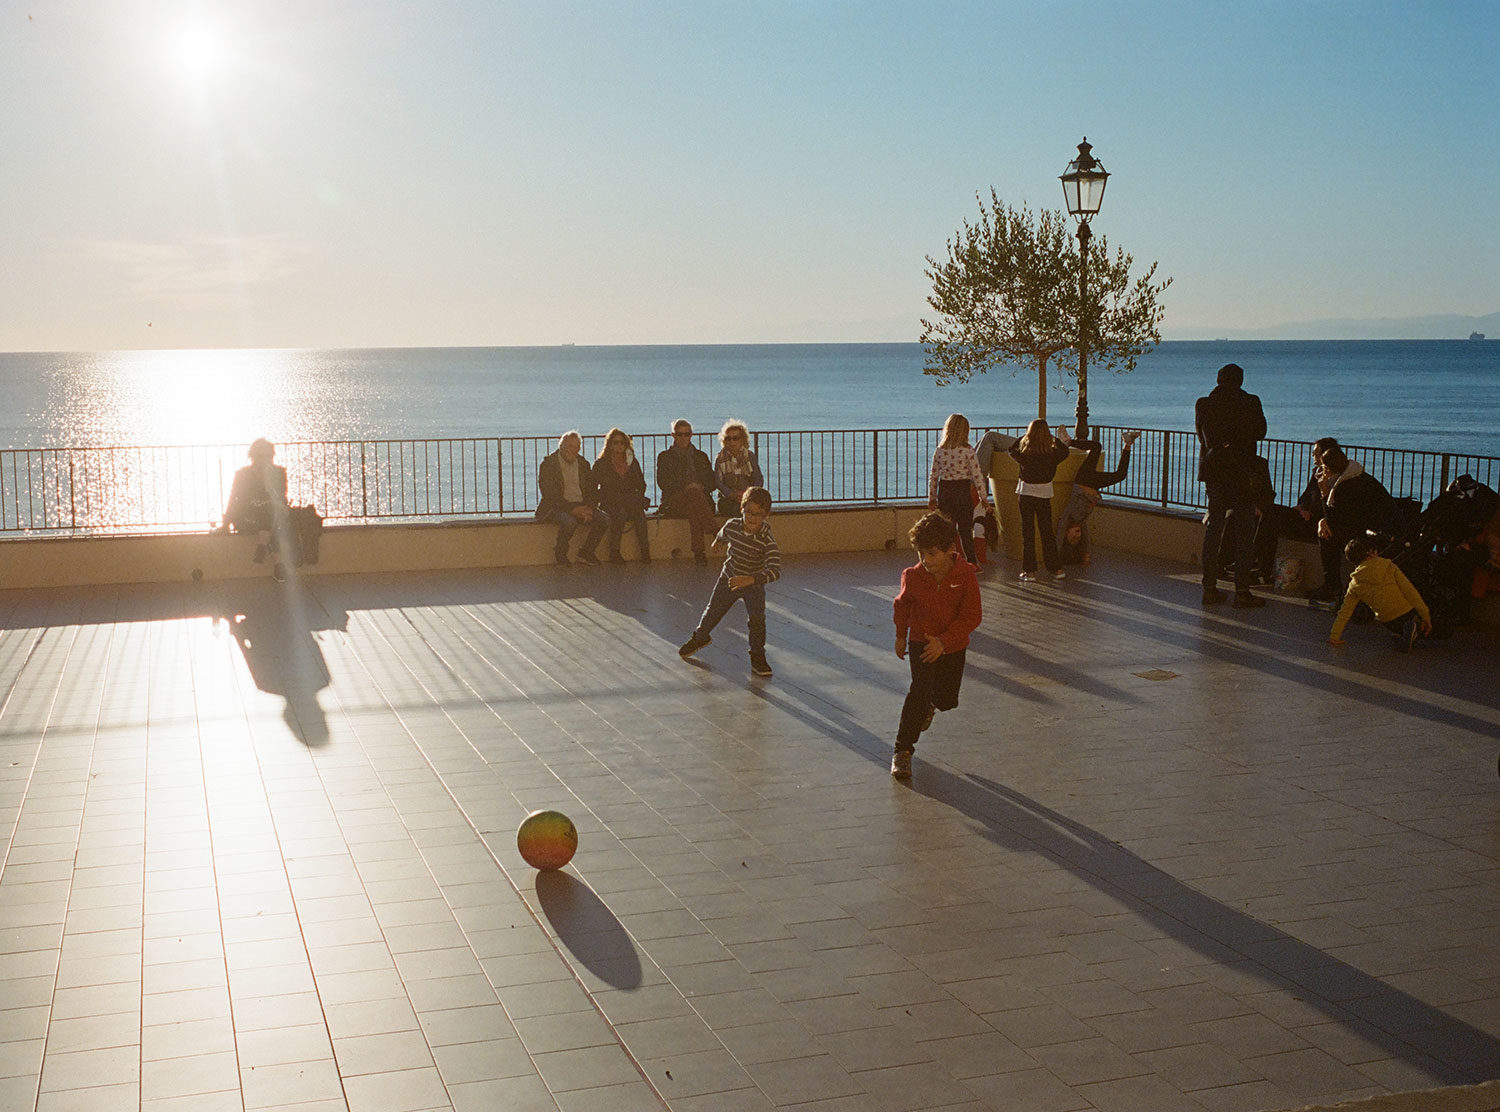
<point x="1476" y="335"/>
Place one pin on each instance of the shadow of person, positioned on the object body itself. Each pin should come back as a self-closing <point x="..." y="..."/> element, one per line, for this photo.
<point x="274" y="626"/>
<point x="589" y="929"/>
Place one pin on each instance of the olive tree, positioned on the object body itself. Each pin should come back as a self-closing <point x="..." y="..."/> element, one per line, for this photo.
<point x="1008" y="296"/>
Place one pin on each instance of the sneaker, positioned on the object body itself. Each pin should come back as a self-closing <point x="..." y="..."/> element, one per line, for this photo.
<point x="1059" y="574"/>
<point x="901" y="764"/>
<point x="1212" y="595"/>
<point x="693" y="644"/>
<point x="1407" y="638"/>
<point x="278" y="573"/>
<point x="1244" y="600"/>
<point x="588" y="559"/>
<point x="1027" y="577"/>
<point x="759" y="664"/>
<point x="927" y="720"/>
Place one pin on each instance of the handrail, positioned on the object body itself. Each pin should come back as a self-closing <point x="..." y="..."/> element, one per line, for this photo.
<point x="82" y="490"/>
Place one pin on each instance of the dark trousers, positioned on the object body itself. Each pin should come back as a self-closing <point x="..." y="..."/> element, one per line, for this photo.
<point x="932" y="685"/>
<point x="636" y="519"/>
<point x="695" y="506"/>
<point x="1243" y="523"/>
<point x="955" y="498"/>
<point x="567" y="525"/>
<point x="723" y="598"/>
<point x="1036" y="514"/>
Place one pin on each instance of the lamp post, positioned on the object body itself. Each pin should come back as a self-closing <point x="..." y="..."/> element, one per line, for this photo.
<point x="1083" y="191"/>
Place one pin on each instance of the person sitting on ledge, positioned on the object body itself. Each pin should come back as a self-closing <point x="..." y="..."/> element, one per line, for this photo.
<point x="685" y="475"/>
<point x="570" y="498"/>
<point x="1355" y="502"/>
<point x="257" y="504"/>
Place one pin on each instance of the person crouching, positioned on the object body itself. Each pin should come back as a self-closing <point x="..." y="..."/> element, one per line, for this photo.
<point x="1384" y="588"/>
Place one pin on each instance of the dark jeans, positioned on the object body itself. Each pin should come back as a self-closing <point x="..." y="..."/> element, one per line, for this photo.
<point x="932" y="685"/>
<point x="619" y="518"/>
<point x="567" y="525"/>
<point x="1036" y="514"/>
<point x="955" y="497"/>
<point x="723" y="598"/>
<point x="1243" y="521"/>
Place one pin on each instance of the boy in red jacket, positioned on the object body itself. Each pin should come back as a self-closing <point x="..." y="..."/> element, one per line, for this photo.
<point x="938" y="608"/>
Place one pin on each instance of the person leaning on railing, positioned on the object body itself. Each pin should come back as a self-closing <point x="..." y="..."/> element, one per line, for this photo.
<point x="685" y="475"/>
<point x="257" y="503"/>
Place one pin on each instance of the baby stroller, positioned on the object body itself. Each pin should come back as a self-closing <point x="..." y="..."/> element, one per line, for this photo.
<point x="1436" y="560"/>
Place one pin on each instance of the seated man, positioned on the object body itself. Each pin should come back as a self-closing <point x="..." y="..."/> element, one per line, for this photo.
<point x="686" y="476"/>
<point x="257" y="503"/>
<point x="1354" y="502"/>
<point x="570" y="498"/>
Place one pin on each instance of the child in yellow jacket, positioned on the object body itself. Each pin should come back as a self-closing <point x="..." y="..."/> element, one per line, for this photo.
<point x="1384" y="588"/>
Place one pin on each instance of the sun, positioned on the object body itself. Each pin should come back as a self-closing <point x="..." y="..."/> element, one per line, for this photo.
<point x="198" y="53"/>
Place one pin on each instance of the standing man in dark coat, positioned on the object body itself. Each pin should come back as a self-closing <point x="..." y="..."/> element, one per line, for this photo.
<point x="570" y="498"/>
<point x="1229" y="423"/>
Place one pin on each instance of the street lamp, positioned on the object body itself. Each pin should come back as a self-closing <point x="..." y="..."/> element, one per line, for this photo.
<point x="1083" y="191"/>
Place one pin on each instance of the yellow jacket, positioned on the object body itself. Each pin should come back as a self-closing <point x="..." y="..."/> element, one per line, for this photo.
<point x="1384" y="588"/>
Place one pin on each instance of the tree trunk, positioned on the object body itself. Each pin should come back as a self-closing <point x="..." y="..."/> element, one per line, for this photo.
<point x="1041" y="387"/>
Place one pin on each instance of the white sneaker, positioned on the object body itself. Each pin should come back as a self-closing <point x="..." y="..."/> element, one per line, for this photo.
<point x="1059" y="574"/>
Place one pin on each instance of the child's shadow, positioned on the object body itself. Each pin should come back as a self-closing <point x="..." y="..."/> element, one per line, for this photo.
<point x="274" y="626"/>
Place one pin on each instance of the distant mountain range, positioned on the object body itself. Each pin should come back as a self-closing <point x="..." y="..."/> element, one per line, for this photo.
<point x="1448" y="326"/>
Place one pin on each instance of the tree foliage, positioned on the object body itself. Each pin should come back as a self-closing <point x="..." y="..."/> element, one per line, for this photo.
<point x="1008" y="295"/>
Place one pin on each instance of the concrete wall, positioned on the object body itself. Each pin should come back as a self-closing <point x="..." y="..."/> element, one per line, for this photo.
<point x="164" y="558"/>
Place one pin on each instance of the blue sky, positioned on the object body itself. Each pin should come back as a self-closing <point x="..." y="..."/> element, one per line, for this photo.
<point x="450" y="172"/>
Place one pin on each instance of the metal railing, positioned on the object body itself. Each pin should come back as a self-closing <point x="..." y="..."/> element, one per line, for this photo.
<point x="61" y="491"/>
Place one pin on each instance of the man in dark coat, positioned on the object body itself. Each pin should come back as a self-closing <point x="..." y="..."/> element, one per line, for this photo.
<point x="1229" y="423"/>
<point x="685" y="475"/>
<point x="1355" y="502"/>
<point x="570" y="498"/>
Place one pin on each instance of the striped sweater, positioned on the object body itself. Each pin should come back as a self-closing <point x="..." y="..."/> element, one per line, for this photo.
<point x="754" y="554"/>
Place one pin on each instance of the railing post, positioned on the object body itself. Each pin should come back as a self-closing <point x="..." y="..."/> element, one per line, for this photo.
<point x="364" y="490"/>
<point x="72" y="497"/>
<point x="1443" y="479"/>
<point x="875" y="464"/>
<point x="1166" y="468"/>
<point x="500" y="471"/>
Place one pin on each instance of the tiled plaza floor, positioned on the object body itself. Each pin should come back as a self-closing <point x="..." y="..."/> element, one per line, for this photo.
<point x="259" y="850"/>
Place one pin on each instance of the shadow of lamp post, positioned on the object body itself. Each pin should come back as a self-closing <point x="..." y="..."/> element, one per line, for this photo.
<point x="1083" y="190"/>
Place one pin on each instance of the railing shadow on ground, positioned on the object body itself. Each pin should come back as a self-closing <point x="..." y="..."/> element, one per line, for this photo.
<point x="1446" y="1050"/>
<point x="1303" y="658"/>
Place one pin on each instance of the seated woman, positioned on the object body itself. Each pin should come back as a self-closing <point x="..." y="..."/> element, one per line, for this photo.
<point x="622" y="492"/>
<point x="736" y="470"/>
<point x="257" y="503"/>
<point x="1072" y="523"/>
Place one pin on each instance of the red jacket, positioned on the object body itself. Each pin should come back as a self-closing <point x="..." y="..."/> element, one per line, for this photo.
<point x="949" y="610"/>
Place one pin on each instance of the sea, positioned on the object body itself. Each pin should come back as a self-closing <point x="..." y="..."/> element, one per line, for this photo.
<point x="1436" y="395"/>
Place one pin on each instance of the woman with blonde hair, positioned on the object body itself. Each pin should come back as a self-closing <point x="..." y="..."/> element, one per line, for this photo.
<point x="1038" y="453"/>
<point x="736" y="469"/>
<point x="955" y="480"/>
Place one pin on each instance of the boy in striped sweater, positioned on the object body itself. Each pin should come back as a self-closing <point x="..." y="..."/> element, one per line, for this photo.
<point x="753" y="561"/>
